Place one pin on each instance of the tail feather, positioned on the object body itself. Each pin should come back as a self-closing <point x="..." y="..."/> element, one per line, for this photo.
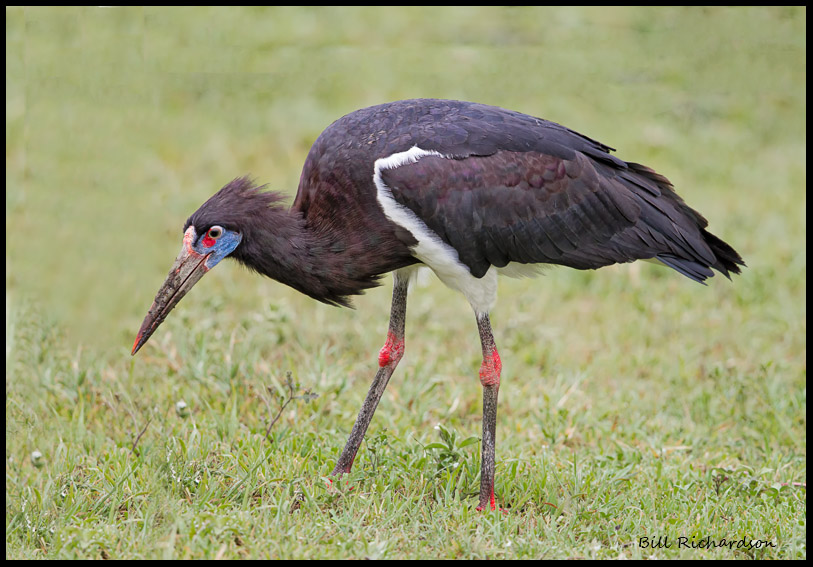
<point x="694" y="250"/>
<point x="727" y="258"/>
<point x="690" y="269"/>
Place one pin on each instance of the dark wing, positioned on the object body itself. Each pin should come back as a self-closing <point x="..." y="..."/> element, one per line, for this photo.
<point x="569" y="209"/>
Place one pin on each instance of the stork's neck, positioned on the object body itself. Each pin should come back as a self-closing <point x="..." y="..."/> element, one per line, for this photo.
<point x="325" y="261"/>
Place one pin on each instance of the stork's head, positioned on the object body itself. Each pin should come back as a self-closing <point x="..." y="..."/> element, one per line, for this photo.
<point x="211" y="234"/>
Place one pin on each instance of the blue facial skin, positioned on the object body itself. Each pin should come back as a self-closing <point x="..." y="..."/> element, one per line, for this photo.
<point x="222" y="247"/>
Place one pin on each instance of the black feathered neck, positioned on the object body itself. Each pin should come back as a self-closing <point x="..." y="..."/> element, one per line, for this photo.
<point x="280" y="243"/>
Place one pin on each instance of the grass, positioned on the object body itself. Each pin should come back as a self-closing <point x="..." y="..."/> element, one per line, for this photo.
<point x="635" y="403"/>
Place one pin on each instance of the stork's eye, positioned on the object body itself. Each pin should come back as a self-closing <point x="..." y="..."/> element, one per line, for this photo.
<point x="211" y="236"/>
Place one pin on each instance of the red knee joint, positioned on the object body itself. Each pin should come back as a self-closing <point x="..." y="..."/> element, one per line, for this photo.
<point x="490" y="369"/>
<point x="392" y="351"/>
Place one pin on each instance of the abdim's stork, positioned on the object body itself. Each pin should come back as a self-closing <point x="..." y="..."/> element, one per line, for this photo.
<point x="466" y="189"/>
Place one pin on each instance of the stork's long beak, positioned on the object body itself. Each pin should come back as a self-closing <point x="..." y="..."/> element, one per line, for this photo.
<point x="188" y="268"/>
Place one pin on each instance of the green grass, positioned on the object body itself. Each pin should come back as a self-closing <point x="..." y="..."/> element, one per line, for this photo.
<point x="635" y="403"/>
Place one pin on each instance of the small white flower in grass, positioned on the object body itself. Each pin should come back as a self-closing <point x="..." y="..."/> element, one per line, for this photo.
<point x="181" y="409"/>
<point x="36" y="459"/>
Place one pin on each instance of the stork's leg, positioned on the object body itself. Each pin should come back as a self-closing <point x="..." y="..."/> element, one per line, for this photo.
<point x="388" y="358"/>
<point x="490" y="379"/>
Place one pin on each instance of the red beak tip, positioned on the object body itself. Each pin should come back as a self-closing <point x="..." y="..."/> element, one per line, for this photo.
<point x="135" y="345"/>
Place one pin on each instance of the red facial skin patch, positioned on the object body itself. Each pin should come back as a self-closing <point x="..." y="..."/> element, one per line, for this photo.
<point x="208" y="241"/>
<point x="490" y="371"/>
<point x="187" y="239"/>
<point x="392" y="351"/>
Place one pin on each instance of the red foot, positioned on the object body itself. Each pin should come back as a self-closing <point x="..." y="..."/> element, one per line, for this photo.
<point x="347" y="486"/>
<point x="492" y="505"/>
<point x="392" y="351"/>
<point x="490" y="373"/>
<point x="493" y="501"/>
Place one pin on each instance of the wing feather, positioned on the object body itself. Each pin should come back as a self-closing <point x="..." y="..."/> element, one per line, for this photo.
<point x="534" y="207"/>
